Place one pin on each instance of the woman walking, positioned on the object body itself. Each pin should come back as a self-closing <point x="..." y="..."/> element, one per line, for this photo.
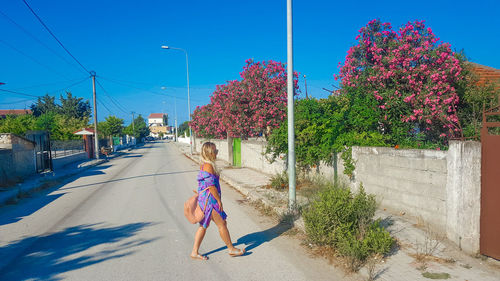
<point x="209" y="199"/>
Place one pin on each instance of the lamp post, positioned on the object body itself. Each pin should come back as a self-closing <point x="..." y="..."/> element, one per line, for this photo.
<point x="189" y="102"/>
<point x="291" y="117"/>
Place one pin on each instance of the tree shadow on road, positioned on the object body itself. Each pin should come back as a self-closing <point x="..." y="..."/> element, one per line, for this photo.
<point x="131" y="178"/>
<point x="32" y="201"/>
<point x="45" y="257"/>
<point x="255" y="239"/>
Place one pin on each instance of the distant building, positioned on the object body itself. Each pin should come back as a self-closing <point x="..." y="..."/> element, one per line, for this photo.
<point x="157" y="123"/>
<point x="6" y="112"/>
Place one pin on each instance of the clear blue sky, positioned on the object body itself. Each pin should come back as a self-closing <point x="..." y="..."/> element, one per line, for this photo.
<point x="121" y="40"/>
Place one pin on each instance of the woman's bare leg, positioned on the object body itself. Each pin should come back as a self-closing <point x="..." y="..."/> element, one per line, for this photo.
<point x="223" y="231"/>
<point x="198" y="237"/>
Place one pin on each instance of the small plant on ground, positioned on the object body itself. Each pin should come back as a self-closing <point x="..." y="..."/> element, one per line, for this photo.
<point x="344" y="221"/>
<point x="441" y="275"/>
<point x="280" y="181"/>
<point x="429" y="246"/>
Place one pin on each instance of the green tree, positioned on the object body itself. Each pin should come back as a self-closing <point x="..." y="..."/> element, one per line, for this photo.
<point x="74" y="107"/>
<point x="473" y="96"/>
<point x="44" y="105"/>
<point x="47" y="122"/>
<point x="112" y="126"/>
<point x="139" y="129"/>
<point x="17" y="124"/>
<point x="66" y="127"/>
<point x="184" y="127"/>
<point x="328" y="126"/>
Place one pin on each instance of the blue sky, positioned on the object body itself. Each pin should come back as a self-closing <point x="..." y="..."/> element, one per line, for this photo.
<point x="121" y="40"/>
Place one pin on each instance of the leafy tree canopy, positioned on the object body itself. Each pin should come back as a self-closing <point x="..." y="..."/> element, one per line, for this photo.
<point x="184" y="127"/>
<point x="71" y="106"/>
<point x="139" y="129"/>
<point x="112" y="126"/>
<point x="74" y="107"/>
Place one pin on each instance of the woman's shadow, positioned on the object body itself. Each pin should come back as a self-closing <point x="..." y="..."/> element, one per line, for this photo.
<point x="255" y="239"/>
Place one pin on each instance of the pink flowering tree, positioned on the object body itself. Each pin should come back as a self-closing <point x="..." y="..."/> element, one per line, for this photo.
<point x="411" y="75"/>
<point x="205" y="123"/>
<point x="249" y="107"/>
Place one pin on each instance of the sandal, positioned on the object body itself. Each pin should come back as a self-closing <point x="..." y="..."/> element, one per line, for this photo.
<point x="237" y="253"/>
<point x="199" y="257"/>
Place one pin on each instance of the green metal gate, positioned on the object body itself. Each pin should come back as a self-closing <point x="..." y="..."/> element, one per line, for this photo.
<point x="237" y="152"/>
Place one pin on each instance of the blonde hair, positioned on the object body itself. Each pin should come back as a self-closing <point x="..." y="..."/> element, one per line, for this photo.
<point x="208" y="155"/>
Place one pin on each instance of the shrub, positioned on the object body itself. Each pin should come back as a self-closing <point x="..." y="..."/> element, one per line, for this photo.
<point x="344" y="221"/>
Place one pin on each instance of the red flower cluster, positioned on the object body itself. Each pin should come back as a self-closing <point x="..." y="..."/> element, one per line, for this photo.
<point x="246" y="108"/>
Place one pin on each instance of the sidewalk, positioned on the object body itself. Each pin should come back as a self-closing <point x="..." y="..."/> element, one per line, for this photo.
<point x="444" y="259"/>
<point x="40" y="181"/>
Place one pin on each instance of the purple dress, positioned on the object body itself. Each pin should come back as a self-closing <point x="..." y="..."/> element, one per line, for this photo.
<point x="206" y="179"/>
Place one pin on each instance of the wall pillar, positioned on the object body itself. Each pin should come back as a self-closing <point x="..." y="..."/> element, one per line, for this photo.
<point x="230" y="159"/>
<point x="463" y="194"/>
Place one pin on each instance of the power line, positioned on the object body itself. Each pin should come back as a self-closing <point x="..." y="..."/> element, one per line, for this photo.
<point x="72" y="85"/>
<point x="30" y="95"/>
<point x="33" y="59"/>
<point x="36" y="39"/>
<point x="45" y="84"/>
<point x="19" y="101"/>
<point x="19" y="93"/>
<point x="45" y="26"/>
<point x="146" y="90"/>
<point x="102" y="103"/>
<point x="137" y="88"/>
<point x="115" y="102"/>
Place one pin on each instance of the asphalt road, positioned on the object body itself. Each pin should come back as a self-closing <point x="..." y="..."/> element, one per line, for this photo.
<point x="123" y="220"/>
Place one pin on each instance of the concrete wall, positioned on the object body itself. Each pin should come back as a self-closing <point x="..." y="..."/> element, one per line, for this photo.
<point x="439" y="188"/>
<point x="7" y="170"/>
<point x="408" y="180"/>
<point x="253" y="156"/>
<point x="17" y="157"/>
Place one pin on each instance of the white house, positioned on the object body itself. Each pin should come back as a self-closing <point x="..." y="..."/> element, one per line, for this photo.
<point x="157" y="119"/>
<point x="157" y="123"/>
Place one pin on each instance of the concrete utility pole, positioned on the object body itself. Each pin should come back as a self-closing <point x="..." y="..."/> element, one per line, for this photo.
<point x="133" y="125"/>
<point x="291" y="117"/>
<point x="305" y="83"/>
<point x="96" y="137"/>
<point x="175" y="109"/>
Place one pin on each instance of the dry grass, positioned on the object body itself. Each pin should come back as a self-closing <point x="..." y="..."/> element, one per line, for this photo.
<point x="427" y="248"/>
<point x="263" y="209"/>
<point x="371" y="267"/>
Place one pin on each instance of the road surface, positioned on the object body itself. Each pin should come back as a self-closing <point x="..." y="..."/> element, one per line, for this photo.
<point x="123" y="220"/>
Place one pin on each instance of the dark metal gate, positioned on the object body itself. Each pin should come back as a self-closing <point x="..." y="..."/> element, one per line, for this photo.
<point x="490" y="184"/>
<point x="42" y="150"/>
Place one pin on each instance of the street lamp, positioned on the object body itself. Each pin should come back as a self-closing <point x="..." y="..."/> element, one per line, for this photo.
<point x="175" y="114"/>
<point x="189" y="102"/>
